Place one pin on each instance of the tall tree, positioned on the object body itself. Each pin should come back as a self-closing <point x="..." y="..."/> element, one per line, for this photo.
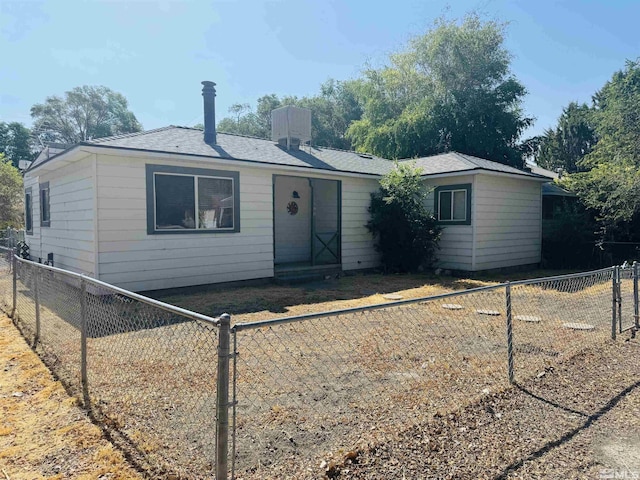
<point x="611" y="183"/>
<point x="15" y="142"/>
<point x="82" y="114"/>
<point x="333" y="110"/>
<point x="451" y="89"/>
<point x="10" y="194"/>
<point x="573" y="138"/>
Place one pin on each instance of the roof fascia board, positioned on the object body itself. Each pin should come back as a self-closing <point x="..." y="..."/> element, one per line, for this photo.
<point x="71" y="155"/>
<point x="477" y="171"/>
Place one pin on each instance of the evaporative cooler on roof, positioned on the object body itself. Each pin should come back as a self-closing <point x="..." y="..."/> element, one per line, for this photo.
<point x="291" y="126"/>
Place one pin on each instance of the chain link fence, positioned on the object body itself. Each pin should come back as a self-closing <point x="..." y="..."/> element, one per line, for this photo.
<point x="146" y="370"/>
<point x="6" y="279"/>
<point x="191" y="395"/>
<point x="9" y="237"/>
<point x="320" y="387"/>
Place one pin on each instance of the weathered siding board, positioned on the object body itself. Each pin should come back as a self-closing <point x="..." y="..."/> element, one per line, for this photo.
<point x="508" y="227"/>
<point x="456" y="241"/>
<point x="70" y="237"/>
<point x="357" y="243"/>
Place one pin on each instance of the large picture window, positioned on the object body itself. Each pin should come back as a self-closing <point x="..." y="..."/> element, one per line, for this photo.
<point x="28" y="211"/>
<point x="453" y="204"/>
<point x="186" y="200"/>
<point x="45" y="205"/>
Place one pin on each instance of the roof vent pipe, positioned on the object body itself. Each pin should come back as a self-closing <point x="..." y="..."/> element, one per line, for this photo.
<point x="209" y="95"/>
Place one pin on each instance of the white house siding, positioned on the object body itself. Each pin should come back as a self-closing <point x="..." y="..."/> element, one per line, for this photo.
<point x="357" y="243"/>
<point x="70" y="236"/>
<point x="508" y="222"/>
<point x="456" y="242"/>
<point x="133" y="259"/>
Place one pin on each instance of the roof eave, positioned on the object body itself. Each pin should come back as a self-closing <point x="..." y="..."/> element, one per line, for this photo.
<point x="480" y="170"/>
<point x="64" y="154"/>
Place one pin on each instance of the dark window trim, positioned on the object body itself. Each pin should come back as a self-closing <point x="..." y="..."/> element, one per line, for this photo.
<point x="28" y="191"/>
<point x="44" y="223"/>
<point x="151" y="223"/>
<point x="448" y="188"/>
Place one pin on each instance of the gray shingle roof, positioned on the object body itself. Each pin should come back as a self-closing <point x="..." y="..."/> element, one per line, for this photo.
<point x="190" y="141"/>
<point x="459" y="162"/>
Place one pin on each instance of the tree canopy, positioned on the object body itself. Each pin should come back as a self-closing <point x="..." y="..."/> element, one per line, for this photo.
<point x="451" y="89"/>
<point x="334" y="108"/>
<point x="567" y="144"/>
<point x="609" y="182"/>
<point x="82" y="114"/>
<point x="10" y="194"/>
<point x="15" y="142"/>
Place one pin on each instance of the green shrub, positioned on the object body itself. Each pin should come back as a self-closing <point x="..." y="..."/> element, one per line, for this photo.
<point x="406" y="233"/>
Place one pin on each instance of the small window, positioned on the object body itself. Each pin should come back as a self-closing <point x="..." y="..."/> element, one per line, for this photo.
<point x="453" y="204"/>
<point x="45" y="205"/>
<point x="28" y="211"/>
<point x="187" y="200"/>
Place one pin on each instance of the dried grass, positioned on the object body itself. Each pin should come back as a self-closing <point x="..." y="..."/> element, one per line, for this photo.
<point x="43" y="435"/>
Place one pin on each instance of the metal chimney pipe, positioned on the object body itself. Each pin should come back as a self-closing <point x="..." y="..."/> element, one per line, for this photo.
<point x="209" y="94"/>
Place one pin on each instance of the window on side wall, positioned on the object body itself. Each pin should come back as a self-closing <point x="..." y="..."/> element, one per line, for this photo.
<point x="45" y="205"/>
<point x="453" y="204"/>
<point x="28" y="211"/>
<point x="189" y="200"/>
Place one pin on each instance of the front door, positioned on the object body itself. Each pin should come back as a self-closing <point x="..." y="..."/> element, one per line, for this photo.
<point x="292" y="219"/>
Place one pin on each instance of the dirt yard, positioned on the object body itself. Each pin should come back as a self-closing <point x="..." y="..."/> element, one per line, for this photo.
<point x="43" y="434"/>
<point x="253" y="303"/>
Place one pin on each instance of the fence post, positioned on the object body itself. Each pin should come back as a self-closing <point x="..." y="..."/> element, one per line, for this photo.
<point x="36" y="292"/>
<point x="222" y="402"/>
<point x="614" y="301"/>
<point x="509" y="334"/>
<point x="636" y="307"/>
<point x="83" y="340"/>
<point x="14" y="262"/>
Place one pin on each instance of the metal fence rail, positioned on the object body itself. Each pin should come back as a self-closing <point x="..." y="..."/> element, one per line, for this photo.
<point x="193" y="395"/>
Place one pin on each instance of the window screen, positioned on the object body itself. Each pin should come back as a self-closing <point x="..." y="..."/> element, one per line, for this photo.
<point x="45" y="205"/>
<point x="445" y="206"/>
<point x="179" y="197"/>
<point x="175" y="202"/>
<point x="460" y="205"/>
<point x="453" y="205"/>
<point x="215" y="203"/>
<point x="28" y="211"/>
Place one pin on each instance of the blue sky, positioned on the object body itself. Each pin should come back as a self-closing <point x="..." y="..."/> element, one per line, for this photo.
<point x="156" y="53"/>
